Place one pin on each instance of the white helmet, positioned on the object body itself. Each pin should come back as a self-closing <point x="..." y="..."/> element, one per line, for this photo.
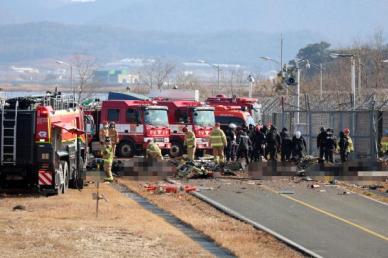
<point x="232" y="126"/>
<point x="298" y="134"/>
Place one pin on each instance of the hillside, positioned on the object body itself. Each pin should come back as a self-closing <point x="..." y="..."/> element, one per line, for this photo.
<point x="21" y="42"/>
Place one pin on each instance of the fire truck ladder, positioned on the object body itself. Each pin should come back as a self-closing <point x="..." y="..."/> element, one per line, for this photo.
<point x="8" y="135"/>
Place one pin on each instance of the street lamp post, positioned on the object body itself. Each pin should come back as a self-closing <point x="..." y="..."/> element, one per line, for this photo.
<point x="71" y="74"/>
<point x="353" y="74"/>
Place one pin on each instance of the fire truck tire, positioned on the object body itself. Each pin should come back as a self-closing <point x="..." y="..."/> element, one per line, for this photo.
<point x="126" y="149"/>
<point x="176" y="149"/>
<point x="66" y="175"/>
<point x="77" y="181"/>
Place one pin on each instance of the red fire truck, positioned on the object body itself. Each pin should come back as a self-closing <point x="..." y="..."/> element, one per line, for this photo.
<point x="245" y="104"/>
<point x="193" y="115"/>
<point x="226" y="115"/>
<point x="42" y="144"/>
<point x="137" y="122"/>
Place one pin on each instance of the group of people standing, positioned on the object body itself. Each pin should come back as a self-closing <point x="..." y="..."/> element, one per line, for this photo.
<point x="254" y="143"/>
<point x="327" y="144"/>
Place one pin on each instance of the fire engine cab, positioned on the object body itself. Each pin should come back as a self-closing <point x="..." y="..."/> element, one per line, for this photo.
<point x="42" y="143"/>
<point x="245" y="104"/>
<point x="137" y="122"/>
<point x="226" y="115"/>
<point x="191" y="114"/>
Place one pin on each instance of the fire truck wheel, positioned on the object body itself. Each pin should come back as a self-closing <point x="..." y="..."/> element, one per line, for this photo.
<point x="77" y="179"/>
<point x="176" y="149"/>
<point x="126" y="149"/>
<point x="66" y="175"/>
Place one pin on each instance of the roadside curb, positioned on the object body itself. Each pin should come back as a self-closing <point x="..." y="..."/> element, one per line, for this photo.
<point x="256" y="225"/>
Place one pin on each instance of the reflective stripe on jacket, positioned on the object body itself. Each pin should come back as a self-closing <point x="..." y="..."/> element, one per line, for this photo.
<point x="217" y="138"/>
<point x="107" y="154"/>
<point x="190" y="140"/>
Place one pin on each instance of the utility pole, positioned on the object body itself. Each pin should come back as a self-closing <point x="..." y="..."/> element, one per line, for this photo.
<point x="353" y="76"/>
<point x="321" y="81"/>
<point x="359" y="76"/>
<point x="297" y="94"/>
<point x="281" y="51"/>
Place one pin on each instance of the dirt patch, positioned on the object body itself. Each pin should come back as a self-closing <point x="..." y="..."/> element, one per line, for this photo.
<point x="239" y="237"/>
<point x="66" y="226"/>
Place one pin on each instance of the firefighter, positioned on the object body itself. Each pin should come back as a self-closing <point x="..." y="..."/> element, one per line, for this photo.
<point x="190" y="143"/>
<point x="103" y="134"/>
<point x="231" y="142"/>
<point x="114" y="136"/>
<point x="286" y="145"/>
<point x="330" y="145"/>
<point x="345" y="145"/>
<point x="298" y="146"/>
<point x="218" y="143"/>
<point x="153" y="152"/>
<point x="321" y="143"/>
<point x="107" y="156"/>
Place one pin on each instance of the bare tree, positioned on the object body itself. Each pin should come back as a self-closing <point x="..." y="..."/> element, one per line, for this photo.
<point x="187" y="81"/>
<point x="84" y="67"/>
<point x="156" y="74"/>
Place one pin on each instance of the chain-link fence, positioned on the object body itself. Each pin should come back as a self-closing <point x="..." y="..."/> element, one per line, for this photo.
<point x="363" y="126"/>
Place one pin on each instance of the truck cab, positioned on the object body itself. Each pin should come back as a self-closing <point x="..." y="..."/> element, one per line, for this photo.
<point x="193" y="115"/>
<point x="137" y="122"/>
<point x="245" y="104"/>
<point x="226" y="115"/>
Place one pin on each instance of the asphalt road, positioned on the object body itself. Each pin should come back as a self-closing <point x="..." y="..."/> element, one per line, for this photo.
<point x="326" y="222"/>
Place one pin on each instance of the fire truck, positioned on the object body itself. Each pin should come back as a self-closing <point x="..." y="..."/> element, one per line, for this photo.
<point x="232" y="114"/>
<point x="42" y="143"/>
<point x="245" y="104"/>
<point x="137" y="122"/>
<point x="193" y="115"/>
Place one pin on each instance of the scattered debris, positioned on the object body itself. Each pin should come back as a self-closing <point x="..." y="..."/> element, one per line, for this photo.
<point x="193" y="169"/>
<point x="375" y="187"/>
<point x="170" y="188"/>
<point x="307" y="178"/>
<point x="315" y="186"/>
<point x="19" y="208"/>
<point x="346" y="193"/>
<point x="322" y="190"/>
<point x="286" y="192"/>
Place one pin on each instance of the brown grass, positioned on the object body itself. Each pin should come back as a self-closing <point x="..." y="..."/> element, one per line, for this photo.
<point x="239" y="237"/>
<point x="66" y="226"/>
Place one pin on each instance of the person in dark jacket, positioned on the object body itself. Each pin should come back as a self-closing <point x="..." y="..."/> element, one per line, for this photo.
<point x="273" y="143"/>
<point x="330" y="145"/>
<point x="258" y="144"/>
<point x="299" y="146"/>
<point x="286" y="145"/>
<point x="231" y="142"/>
<point x="321" y="143"/>
<point x="244" y="144"/>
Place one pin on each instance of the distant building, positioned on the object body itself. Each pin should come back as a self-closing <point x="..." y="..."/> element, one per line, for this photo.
<point x="114" y="76"/>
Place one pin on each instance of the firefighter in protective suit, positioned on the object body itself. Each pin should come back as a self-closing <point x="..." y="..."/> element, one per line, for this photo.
<point x="107" y="156"/>
<point x="114" y="136"/>
<point x="153" y="152"/>
<point x="218" y="142"/>
<point x="103" y="134"/>
<point x="190" y="143"/>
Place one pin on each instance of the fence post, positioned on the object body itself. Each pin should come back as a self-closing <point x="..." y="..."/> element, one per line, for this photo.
<point x="310" y="130"/>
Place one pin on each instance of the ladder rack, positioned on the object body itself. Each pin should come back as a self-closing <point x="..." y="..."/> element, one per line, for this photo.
<point x="9" y="122"/>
